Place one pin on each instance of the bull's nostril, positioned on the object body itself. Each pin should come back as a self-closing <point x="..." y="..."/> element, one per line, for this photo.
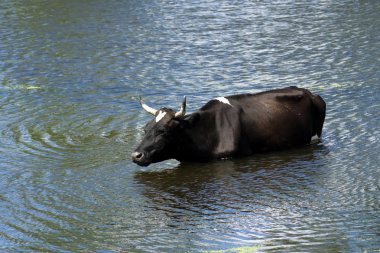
<point x="137" y="156"/>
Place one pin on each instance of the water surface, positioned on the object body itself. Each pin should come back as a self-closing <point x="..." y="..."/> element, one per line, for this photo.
<point x="70" y="76"/>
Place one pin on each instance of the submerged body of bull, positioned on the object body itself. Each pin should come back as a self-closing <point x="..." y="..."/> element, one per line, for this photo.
<point x="233" y="126"/>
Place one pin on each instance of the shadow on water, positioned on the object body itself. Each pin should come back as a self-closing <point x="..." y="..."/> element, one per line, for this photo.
<point x="244" y="178"/>
<point x="247" y="200"/>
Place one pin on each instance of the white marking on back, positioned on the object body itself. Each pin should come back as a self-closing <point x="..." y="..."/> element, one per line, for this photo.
<point x="160" y="115"/>
<point x="223" y="100"/>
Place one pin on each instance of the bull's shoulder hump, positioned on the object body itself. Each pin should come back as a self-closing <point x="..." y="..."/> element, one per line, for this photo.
<point x="216" y="103"/>
<point x="223" y="100"/>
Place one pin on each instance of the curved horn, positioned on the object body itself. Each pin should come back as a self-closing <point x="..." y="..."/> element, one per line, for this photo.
<point x="147" y="108"/>
<point x="181" y="111"/>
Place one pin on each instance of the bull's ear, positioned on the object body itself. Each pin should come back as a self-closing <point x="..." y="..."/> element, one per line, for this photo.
<point x="191" y="119"/>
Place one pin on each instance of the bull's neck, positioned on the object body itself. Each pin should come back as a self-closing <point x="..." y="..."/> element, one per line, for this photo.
<point x="187" y="148"/>
<point x="182" y="148"/>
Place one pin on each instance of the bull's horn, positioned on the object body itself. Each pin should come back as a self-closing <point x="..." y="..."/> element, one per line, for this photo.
<point x="181" y="111"/>
<point x="147" y="108"/>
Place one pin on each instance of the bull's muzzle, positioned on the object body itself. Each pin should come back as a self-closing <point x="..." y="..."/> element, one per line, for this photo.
<point x="139" y="158"/>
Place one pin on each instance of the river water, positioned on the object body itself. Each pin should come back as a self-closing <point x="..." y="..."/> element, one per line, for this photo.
<point x="70" y="76"/>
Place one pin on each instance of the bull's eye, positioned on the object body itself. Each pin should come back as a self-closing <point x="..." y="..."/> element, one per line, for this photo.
<point x="160" y="131"/>
<point x="147" y="128"/>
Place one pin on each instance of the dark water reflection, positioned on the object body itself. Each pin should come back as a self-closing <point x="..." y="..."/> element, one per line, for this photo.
<point x="70" y="76"/>
<point x="270" y="201"/>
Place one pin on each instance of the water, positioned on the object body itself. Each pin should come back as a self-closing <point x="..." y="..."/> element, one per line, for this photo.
<point x="70" y="76"/>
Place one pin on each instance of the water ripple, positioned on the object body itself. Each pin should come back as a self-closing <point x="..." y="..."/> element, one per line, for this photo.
<point x="70" y="76"/>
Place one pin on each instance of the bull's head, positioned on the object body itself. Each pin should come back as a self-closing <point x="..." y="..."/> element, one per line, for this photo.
<point x="160" y="135"/>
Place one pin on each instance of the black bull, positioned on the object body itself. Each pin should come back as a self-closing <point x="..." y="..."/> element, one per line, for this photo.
<point x="233" y="126"/>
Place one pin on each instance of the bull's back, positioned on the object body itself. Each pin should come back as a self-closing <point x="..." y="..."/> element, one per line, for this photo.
<point x="279" y="119"/>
